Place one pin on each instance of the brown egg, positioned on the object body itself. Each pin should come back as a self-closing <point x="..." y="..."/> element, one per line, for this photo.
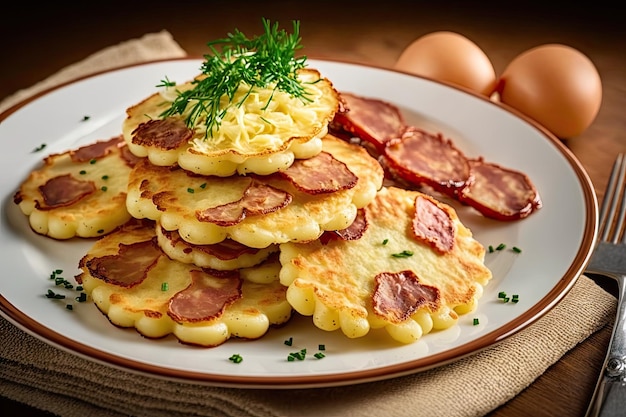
<point x="556" y="85"/>
<point x="449" y="57"/>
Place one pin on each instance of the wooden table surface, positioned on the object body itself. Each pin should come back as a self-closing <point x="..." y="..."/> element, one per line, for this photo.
<point x="38" y="43"/>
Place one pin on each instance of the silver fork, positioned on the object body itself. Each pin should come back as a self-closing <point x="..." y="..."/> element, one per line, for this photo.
<point x="609" y="259"/>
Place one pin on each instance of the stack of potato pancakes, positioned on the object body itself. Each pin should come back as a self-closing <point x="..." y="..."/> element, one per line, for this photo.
<point x="222" y="224"/>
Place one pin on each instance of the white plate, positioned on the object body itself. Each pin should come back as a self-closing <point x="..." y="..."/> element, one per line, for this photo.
<point x="556" y="241"/>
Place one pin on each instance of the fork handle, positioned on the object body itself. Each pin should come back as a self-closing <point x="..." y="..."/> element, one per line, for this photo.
<point x="609" y="397"/>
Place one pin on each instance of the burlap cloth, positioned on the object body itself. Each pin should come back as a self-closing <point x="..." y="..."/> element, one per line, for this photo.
<point x="42" y="376"/>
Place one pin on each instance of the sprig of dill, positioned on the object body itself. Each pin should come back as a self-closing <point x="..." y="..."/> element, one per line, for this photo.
<point x="260" y="62"/>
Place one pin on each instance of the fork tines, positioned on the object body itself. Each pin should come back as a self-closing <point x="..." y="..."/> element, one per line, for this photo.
<point x="614" y="200"/>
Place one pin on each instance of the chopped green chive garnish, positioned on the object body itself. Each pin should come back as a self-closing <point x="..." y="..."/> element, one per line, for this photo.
<point x="100" y="231"/>
<point x="164" y="286"/>
<point x="105" y="177"/>
<point x="385" y="242"/>
<point x="236" y="358"/>
<point x="56" y="296"/>
<point x="476" y="322"/>
<point x="104" y="188"/>
<point x="82" y="172"/>
<point x="60" y="281"/>
<point x="502" y="295"/>
<point x="502" y="246"/>
<point x="190" y="190"/>
<point x="321" y="347"/>
<point x="85" y="118"/>
<point x="289" y="341"/>
<point x="319" y="355"/>
<point x="93" y="161"/>
<point x="203" y="185"/>
<point x="297" y="355"/>
<point x="403" y="254"/>
<point x="39" y="148"/>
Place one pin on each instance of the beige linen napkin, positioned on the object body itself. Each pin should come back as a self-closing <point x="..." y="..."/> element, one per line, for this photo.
<point x="38" y="374"/>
